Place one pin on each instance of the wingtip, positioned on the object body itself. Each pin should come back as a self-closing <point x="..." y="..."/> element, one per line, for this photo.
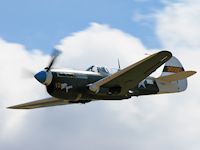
<point x="9" y="107"/>
<point x="166" y="52"/>
<point x="16" y="107"/>
<point x="12" y="107"/>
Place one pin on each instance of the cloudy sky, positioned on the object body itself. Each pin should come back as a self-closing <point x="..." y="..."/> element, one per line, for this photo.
<point x="97" y="32"/>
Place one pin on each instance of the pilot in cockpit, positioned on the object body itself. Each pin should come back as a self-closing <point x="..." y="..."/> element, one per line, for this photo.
<point x="101" y="70"/>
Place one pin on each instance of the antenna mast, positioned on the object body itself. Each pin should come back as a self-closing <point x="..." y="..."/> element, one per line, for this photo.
<point x="119" y="66"/>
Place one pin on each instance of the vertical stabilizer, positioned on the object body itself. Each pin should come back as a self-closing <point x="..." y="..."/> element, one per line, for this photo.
<point x="173" y="66"/>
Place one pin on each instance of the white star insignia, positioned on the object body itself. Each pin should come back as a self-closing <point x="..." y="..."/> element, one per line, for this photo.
<point x="66" y="87"/>
<point x="142" y="83"/>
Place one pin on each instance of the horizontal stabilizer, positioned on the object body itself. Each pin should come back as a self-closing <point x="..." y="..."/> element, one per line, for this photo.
<point x="177" y="76"/>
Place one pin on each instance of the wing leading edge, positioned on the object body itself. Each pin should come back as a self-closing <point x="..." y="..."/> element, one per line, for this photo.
<point x="132" y="75"/>
<point x="48" y="102"/>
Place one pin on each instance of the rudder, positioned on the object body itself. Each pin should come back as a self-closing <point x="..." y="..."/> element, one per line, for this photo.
<point x="173" y="66"/>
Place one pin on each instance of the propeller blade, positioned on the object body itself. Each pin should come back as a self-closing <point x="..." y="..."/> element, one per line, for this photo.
<point x="54" y="55"/>
<point x="26" y="73"/>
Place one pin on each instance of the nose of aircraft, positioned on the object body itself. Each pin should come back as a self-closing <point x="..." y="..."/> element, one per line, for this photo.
<point x="44" y="77"/>
<point x="41" y="76"/>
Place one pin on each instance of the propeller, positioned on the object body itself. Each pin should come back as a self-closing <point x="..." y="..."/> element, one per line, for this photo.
<point x="54" y="55"/>
<point x="27" y="74"/>
<point x="45" y="77"/>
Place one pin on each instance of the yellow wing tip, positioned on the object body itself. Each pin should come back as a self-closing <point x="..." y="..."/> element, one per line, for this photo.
<point x="11" y="107"/>
<point x="16" y="107"/>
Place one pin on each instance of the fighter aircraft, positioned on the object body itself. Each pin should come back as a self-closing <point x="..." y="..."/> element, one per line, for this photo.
<point x="97" y="83"/>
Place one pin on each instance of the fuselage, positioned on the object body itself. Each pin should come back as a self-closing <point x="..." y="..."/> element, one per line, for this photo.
<point x="73" y="85"/>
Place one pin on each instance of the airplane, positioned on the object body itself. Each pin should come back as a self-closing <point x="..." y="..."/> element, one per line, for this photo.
<point x="68" y="86"/>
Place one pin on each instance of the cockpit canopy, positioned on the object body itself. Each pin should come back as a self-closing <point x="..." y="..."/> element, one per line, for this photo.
<point x="101" y="70"/>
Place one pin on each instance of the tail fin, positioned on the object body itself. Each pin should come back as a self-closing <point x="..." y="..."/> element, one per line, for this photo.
<point x="173" y="78"/>
<point x="172" y="66"/>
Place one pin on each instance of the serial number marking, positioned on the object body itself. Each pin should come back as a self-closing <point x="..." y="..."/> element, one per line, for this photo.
<point x="173" y="69"/>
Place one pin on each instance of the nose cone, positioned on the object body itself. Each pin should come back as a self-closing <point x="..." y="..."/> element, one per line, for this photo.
<point x="41" y="76"/>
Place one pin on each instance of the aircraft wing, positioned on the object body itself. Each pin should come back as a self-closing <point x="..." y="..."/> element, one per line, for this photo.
<point x="132" y="75"/>
<point x="41" y="103"/>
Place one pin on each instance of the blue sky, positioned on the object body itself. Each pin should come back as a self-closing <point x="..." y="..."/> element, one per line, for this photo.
<point x="42" y="24"/>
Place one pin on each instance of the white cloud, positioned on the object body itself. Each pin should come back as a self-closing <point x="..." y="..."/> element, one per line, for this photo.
<point x="178" y="25"/>
<point x="144" y="18"/>
<point x="100" y="45"/>
<point x="178" y="30"/>
<point x="14" y="60"/>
